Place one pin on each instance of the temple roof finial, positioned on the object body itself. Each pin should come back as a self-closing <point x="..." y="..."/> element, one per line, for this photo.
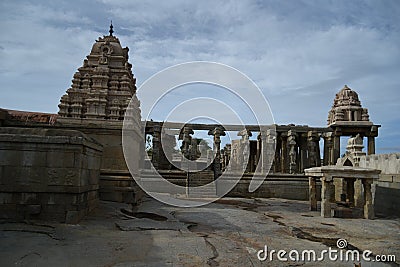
<point x="111" y="29"/>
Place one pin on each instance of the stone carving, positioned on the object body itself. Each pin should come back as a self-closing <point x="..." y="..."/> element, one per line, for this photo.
<point x="292" y="151"/>
<point x="60" y="177"/>
<point x="347" y="107"/>
<point x="217" y="132"/>
<point x="53" y="177"/>
<point x="244" y="147"/>
<point x="313" y="148"/>
<point x="187" y="141"/>
<point x="103" y="86"/>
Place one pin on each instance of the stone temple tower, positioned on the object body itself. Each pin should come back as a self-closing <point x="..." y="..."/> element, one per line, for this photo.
<point x="347" y="108"/>
<point x="96" y="104"/>
<point x="347" y="117"/>
<point x="102" y="88"/>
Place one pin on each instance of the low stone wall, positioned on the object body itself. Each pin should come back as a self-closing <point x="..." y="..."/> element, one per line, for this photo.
<point x="48" y="174"/>
<point x="387" y="189"/>
<point x="287" y="186"/>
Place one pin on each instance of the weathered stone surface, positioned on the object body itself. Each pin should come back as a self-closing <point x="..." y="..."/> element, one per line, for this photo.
<point x="53" y="178"/>
<point x="387" y="188"/>
<point x="227" y="233"/>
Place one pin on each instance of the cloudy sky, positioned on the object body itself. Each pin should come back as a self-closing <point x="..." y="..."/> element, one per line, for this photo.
<point x="300" y="53"/>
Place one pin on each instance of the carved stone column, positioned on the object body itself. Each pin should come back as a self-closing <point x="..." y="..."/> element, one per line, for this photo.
<point x="155" y="158"/>
<point x="371" y="145"/>
<point x="245" y="147"/>
<point x="277" y="160"/>
<point x="187" y="141"/>
<point x="267" y="141"/>
<point x="328" y="146"/>
<point x="371" y="139"/>
<point x="313" y="149"/>
<point x="284" y="153"/>
<point x="292" y="151"/>
<point x="217" y="132"/>
<point x="303" y="161"/>
<point x="336" y="145"/>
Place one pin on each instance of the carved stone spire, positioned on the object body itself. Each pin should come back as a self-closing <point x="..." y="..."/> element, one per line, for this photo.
<point x="111" y="29"/>
<point x="347" y="108"/>
<point x="103" y="86"/>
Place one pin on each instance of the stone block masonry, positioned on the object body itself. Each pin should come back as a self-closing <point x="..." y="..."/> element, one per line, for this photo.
<point x="48" y="174"/>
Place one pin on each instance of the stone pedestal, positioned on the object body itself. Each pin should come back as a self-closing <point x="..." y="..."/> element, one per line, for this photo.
<point x="326" y="198"/>
<point x="328" y="174"/>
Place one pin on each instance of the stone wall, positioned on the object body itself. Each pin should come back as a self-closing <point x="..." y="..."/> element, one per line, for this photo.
<point x="48" y="174"/>
<point x="116" y="182"/>
<point x="275" y="186"/>
<point x="387" y="189"/>
<point x="286" y="186"/>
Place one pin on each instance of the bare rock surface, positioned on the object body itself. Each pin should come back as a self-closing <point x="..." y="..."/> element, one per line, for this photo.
<point x="228" y="232"/>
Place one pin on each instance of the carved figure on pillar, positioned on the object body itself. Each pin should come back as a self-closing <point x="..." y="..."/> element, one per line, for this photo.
<point x="217" y="132"/>
<point x="245" y="147"/>
<point x="313" y="149"/>
<point x="292" y="151"/>
<point x="185" y="135"/>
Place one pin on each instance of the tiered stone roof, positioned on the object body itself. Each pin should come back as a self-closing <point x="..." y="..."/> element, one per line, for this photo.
<point x="103" y="86"/>
<point x="347" y="108"/>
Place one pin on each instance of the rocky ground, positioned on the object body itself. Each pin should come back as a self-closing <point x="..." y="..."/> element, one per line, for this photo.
<point x="229" y="232"/>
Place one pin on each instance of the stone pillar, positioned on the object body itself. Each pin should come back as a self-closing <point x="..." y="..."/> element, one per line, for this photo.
<point x="284" y="153"/>
<point x="325" y="197"/>
<point x="336" y="146"/>
<point x="187" y="141"/>
<point x="155" y="158"/>
<point x="277" y="159"/>
<point x="185" y="136"/>
<point x="292" y="151"/>
<point x="245" y="148"/>
<point x="313" y="149"/>
<point x="303" y="161"/>
<point x="328" y="145"/>
<point x="312" y="193"/>
<point x="217" y="132"/>
<point x="371" y="145"/>
<point x="266" y="139"/>
<point x="259" y="151"/>
<point x="368" y="206"/>
<point x="358" y="196"/>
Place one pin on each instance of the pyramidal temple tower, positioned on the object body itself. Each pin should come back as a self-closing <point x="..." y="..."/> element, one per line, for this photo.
<point x="348" y="117"/>
<point x="96" y="104"/>
<point x="102" y="88"/>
